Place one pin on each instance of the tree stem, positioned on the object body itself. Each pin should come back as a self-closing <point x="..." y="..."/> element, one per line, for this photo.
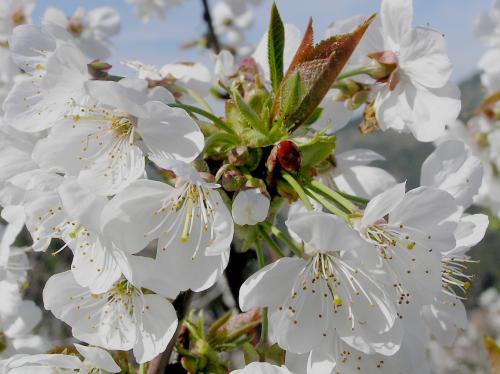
<point x="270" y="242"/>
<point x="265" y="323"/>
<point x="282" y="236"/>
<point x="337" y="197"/>
<point x="213" y="41"/>
<point x="298" y="189"/>
<point x="354" y="72"/>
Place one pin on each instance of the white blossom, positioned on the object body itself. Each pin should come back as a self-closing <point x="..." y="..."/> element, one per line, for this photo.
<point x="94" y="359"/>
<point x="145" y="9"/>
<point x="193" y="226"/>
<point x="327" y="295"/>
<point x="14" y="13"/>
<point x="121" y="318"/>
<point x="91" y="30"/>
<point x="417" y="96"/>
<point x="102" y="144"/>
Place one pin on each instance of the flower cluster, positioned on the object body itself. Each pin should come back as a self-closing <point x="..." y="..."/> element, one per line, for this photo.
<point x="481" y="131"/>
<point x="152" y="192"/>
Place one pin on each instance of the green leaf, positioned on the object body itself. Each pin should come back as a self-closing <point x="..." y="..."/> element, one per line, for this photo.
<point x="250" y="237"/>
<point x="275" y="47"/>
<point x="316" y="150"/>
<point x="216" y="120"/>
<point x="219" y="142"/>
<point x="212" y="330"/>
<point x="291" y="94"/>
<point x="250" y="117"/>
<point x="275" y="354"/>
<point x="315" y="116"/>
<point x="250" y="354"/>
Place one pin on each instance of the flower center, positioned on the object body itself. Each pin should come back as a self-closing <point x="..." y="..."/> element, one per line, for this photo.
<point x="190" y="211"/>
<point x="323" y="266"/>
<point x="123" y="126"/>
<point x="18" y="17"/>
<point x="75" y="27"/>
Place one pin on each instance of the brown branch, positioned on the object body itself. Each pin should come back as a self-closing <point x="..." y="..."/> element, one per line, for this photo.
<point x="213" y="41"/>
<point x="160" y="362"/>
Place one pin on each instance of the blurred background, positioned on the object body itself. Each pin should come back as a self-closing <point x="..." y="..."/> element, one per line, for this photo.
<point x="159" y="42"/>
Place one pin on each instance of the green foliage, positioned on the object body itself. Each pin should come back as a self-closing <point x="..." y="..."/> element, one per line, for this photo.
<point x="319" y="65"/>
<point x="292" y="92"/>
<point x="315" y="150"/>
<point x="275" y="47"/>
<point x="205" y="345"/>
<point x="248" y="114"/>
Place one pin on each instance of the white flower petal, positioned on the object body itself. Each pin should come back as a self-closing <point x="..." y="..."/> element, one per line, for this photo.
<point x="424" y="57"/>
<point x="94" y="320"/>
<point x="324" y="232"/>
<point x="131" y="220"/>
<point x="82" y="205"/>
<point x="277" y="276"/>
<point x="98" y="357"/>
<point x="94" y="265"/>
<point x="250" y="207"/>
<point x="157" y="325"/>
<point x="453" y="168"/>
<point x="170" y="133"/>
<point x="396" y="16"/>
<point x="262" y="368"/>
<point x="104" y="20"/>
<point x="364" y="181"/>
<point x="445" y="317"/>
<point x="414" y="212"/>
<point x="382" y="204"/>
<point x="188" y="265"/>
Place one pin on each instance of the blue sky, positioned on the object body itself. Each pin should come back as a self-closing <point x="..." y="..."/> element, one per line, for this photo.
<point x="158" y="42"/>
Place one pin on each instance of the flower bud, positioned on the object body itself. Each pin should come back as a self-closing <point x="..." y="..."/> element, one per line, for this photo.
<point x="250" y="207"/>
<point x="232" y="180"/>
<point x="99" y="69"/>
<point x="248" y="69"/>
<point x="358" y="99"/>
<point x="347" y="88"/>
<point x="383" y="65"/>
<point x="288" y="155"/>
<point x="254" y="158"/>
<point x="238" y="156"/>
<point x="190" y="364"/>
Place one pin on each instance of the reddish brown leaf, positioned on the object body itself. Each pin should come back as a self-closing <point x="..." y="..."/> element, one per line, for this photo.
<point x="304" y="48"/>
<point x="318" y="66"/>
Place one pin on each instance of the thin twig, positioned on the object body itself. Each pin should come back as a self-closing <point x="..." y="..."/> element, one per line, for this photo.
<point x="213" y="40"/>
<point x="160" y="362"/>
